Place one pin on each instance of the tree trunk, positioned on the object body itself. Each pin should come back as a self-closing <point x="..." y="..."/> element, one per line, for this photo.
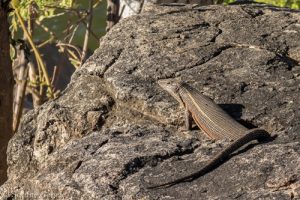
<point x="112" y="16"/>
<point x="6" y="89"/>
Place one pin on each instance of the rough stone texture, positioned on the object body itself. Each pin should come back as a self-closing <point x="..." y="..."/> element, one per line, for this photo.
<point x="114" y="130"/>
<point x="134" y="7"/>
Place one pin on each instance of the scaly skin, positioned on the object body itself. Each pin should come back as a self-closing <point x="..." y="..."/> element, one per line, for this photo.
<point x="209" y="117"/>
<point x="214" y="122"/>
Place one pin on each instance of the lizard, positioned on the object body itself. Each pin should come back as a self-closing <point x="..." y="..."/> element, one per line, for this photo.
<point x="213" y="121"/>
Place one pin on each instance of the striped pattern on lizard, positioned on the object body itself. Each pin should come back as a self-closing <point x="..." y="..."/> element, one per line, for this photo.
<point x="213" y="121"/>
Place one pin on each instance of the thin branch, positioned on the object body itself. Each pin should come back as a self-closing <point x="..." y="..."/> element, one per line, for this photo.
<point x="71" y="46"/>
<point x="21" y="88"/>
<point x="66" y="9"/>
<point x="87" y="33"/>
<point x="46" y="29"/>
<point x="54" y="75"/>
<point x="81" y="19"/>
<point x="33" y="92"/>
<point x="91" y="32"/>
<point x="36" y="53"/>
<point x="73" y="33"/>
<point x="33" y="81"/>
<point x="45" y="42"/>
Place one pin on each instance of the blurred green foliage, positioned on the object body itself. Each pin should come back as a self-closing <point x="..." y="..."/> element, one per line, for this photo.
<point x="42" y="7"/>
<point x="294" y="4"/>
<point x="56" y="15"/>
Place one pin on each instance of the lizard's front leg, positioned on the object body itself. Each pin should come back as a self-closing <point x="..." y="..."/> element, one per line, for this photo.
<point x="188" y="119"/>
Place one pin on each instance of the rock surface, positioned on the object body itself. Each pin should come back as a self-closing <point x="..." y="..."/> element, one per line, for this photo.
<point x="114" y="130"/>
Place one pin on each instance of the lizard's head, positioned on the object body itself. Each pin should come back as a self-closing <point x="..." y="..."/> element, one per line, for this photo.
<point x="172" y="87"/>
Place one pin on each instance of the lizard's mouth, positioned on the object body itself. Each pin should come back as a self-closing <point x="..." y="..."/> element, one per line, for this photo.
<point x="171" y="86"/>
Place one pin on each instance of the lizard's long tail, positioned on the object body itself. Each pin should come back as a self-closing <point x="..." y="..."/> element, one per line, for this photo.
<point x="253" y="134"/>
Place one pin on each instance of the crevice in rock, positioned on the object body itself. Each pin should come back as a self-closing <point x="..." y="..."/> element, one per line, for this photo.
<point x="278" y="56"/>
<point x="115" y="58"/>
<point x="11" y="197"/>
<point x="213" y="40"/>
<point x="78" y="165"/>
<point x="253" y="13"/>
<point x="289" y="24"/>
<point x="204" y="61"/>
<point x="98" y="147"/>
<point x="193" y="27"/>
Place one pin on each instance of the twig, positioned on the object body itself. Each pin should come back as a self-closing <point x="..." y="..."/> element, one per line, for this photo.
<point x="81" y="20"/>
<point x="91" y="32"/>
<point x="71" y="46"/>
<point x="36" y="53"/>
<point x="33" y="92"/>
<point x="71" y="24"/>
<point x="66" y="9"/>
<point x="45" y="42"/>
<point x="33" y="79"/>
<point x="73" y="33"/>
<point x="54" y="75"/>
<point x="21" y="88"/>
<point x="127" y="4"/>
<point x="87" y="33"/>
<point x="46" y="29"/>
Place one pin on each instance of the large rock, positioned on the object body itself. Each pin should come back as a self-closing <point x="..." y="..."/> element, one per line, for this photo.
<point x="114" y="130"/>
